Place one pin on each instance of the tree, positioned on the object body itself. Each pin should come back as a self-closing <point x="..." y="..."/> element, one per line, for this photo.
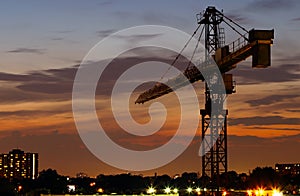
<point x="6" y="188"/>
<point x="264" y="177"/>
<point x="51" y="181"/>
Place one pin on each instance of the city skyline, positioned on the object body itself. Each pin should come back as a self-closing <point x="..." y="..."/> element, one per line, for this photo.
<point x="44" y="42"/>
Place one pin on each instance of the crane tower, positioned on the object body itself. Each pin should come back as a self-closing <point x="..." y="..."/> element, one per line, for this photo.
<point x="255" y="43"/>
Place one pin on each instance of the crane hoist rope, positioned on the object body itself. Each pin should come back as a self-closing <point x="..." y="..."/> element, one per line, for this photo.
<point x="179" y="54"/>
<point x="196" y="47"/>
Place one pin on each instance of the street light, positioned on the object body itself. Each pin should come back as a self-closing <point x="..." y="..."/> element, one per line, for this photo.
<point x="167" y="190"/>
<point x="92" y="184"/>
<point x="261" y="191"/>
<point x="189" y="190"/>
<point x="19" y="188"/>
<point x="151" y="190"/>
<point x="175" y="190"/>
<point x="100" y="190"/>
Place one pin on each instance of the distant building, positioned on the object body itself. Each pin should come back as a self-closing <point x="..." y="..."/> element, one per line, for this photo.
<point x="288" y="169"/>
<point x="19" y="165"/>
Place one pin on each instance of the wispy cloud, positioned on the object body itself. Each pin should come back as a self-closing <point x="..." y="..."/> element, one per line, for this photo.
<point x="282" y="73"/>
<point x="57" y="38"/>
<point x="238" y="18"/>
<point x="294" y="110"/>
<point x="105" y="3"/>
<point x="272" y="128"/>
<point x="271" y="5"/>
<point x="138" y="37"/>
<point x="64" y="31"/>
<point x="57" y="84"/>
<point x="28" y="50"/>
<point x="268" y="100"/>
<point x="296" y="19"/>
<point x="105" y="33"/>
<point x="264" y="120"/>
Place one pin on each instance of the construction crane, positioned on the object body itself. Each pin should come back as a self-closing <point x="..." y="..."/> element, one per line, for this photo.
<point x="255" y="43"/>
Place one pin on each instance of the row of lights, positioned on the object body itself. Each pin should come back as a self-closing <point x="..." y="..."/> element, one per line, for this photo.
<point x="168" y="190"/>
<point x="262" y="192"/>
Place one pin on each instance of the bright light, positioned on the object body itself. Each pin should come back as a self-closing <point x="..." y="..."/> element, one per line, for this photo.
<point x="189" y="190"/>
<point x="261" y="191"/>
<point x="198" y="189"/>
<point x="249" y="192"/>
<point x="20" y="188"/>
<point x="71" y="188"/>
<point x="92" y="183"/>
<point x="167" y="190"/>
<point x="151" y="190"/>
<point x="257" y="192"/>
<point x="175" y="190"/>
<point x="100" y="190"/>
<point x="224" y="193"/>
<point x="276" y="192"/>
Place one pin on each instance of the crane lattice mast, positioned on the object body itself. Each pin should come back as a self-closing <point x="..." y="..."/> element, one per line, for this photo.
<point x="255" y="43"/>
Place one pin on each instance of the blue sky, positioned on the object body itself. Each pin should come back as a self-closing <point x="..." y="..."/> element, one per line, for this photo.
<point x="62" y="32"/>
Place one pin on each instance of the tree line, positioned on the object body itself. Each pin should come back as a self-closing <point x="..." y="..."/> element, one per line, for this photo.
<point x="50" y="182"/>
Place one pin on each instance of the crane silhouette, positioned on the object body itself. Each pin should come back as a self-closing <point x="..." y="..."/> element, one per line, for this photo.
<point x="255" y="43"/>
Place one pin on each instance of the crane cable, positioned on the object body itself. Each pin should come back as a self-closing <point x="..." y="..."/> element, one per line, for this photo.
<point x="237" y="31"/>
<point x="236" y="25"/>
<point x="179" y="54"/>
<point x="234" y="22"/>
<point x="194" y="52"/>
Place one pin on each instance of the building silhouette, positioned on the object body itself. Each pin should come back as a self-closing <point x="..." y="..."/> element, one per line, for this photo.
<point x="19" y="165"/>
<point x="288" y="169"/>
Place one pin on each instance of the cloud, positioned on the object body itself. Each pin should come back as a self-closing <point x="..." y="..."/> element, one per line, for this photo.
<point x="272" y="128"/>
<point x="57" y="84"/>
<point x="290" y="58"/>
<point x="105" y="3"/>
<point x="45" y="85"/>
<point x="270" y="99"/>
<point x="264" y="120"/>
<point x="271" y="5"/>
<point x="138" y="37"/>
<point x="295" y="19"/>
<point x="30" y="113"/>
<point x="27" y="50"/>
<point x="282" y="73"/>
<point x="105" y="33"/>
<point x="293" y="110"/>
<point x="64" y="31"/>
<point x="238" y="18"/>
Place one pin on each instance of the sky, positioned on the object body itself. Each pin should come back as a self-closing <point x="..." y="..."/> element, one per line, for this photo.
<point x="43" y="42"/>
